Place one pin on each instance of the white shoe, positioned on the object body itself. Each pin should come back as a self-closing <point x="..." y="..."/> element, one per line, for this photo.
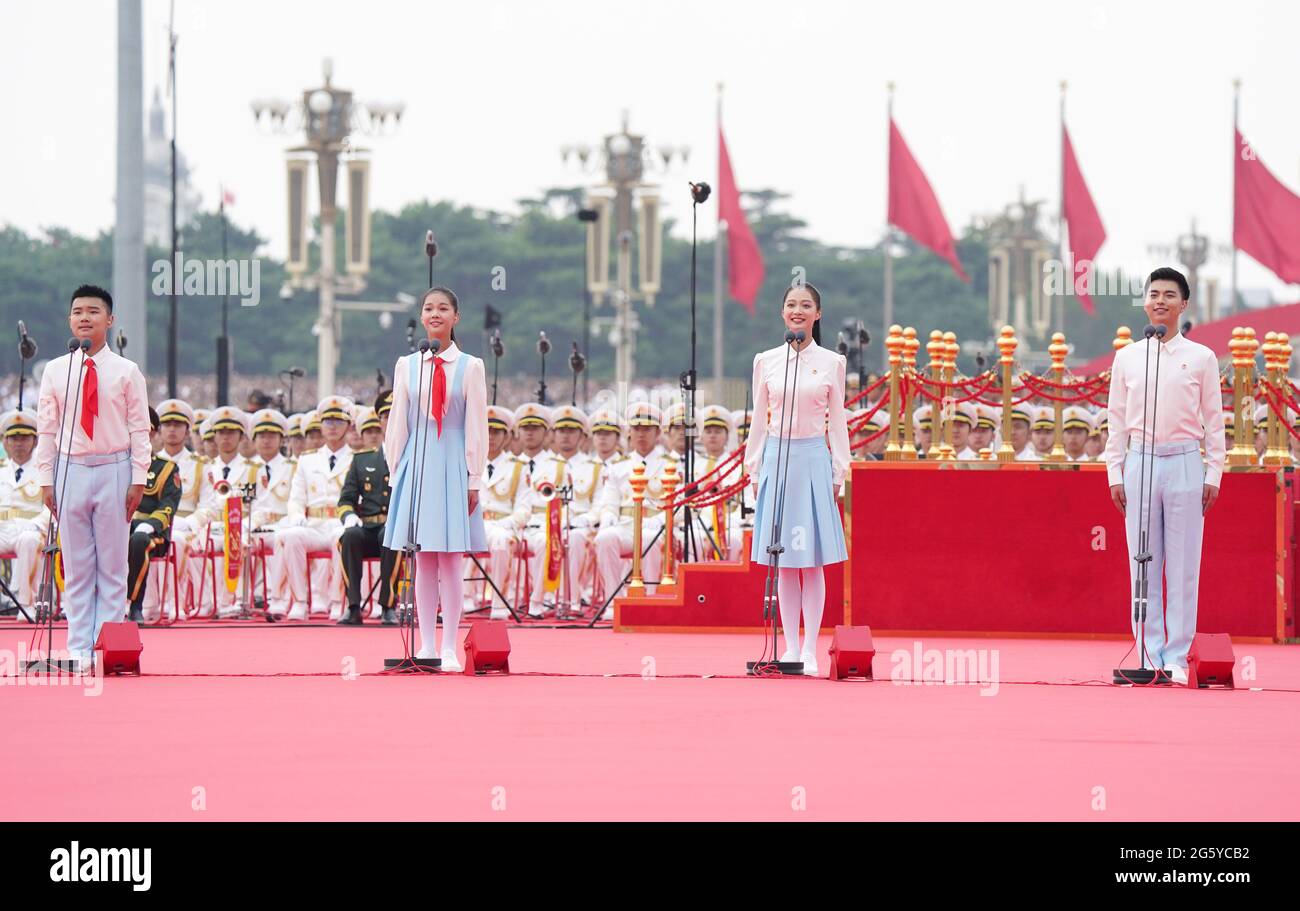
<point x="499" y="613"/>
<point x="450" y="662"/>
<point x="536" y="611"/>
<point x="298" y="613"/>
<point x="609" y="614"/>
<point x="789" y="655"/>
<point x="1177" y="674"/>
<point x="809" y="665"/>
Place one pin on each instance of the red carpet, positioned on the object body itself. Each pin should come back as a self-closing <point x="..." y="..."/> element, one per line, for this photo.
<point x="560" y="740"/>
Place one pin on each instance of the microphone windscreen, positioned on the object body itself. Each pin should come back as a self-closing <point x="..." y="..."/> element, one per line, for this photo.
<point x="789" y="336"/>
<point x="424" y="345"/>
<point x="74" y="343"/>
<point x="800" y="336"/>
<point x="435" y="345"/>
<point x="85" y="344"/>
<point x="1149" y="331"/>
<point x="1161" y="331"/>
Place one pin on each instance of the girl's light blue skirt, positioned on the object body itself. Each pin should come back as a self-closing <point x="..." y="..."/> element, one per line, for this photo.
<point x="811" y="531"/>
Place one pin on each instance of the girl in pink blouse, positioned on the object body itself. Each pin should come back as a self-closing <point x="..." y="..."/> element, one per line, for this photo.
<point x="810" y="416"/>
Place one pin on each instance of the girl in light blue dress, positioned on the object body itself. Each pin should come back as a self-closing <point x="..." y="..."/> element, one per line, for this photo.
<point x="436" y="448"/>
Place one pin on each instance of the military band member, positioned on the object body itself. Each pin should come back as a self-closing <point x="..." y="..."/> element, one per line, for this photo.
<point x="363" y="507"/>
<point x="871" y="427"/>
<point x="588" y="480"/>
<point x="312" y="523"/>
<point x="1077" y="425"/>
<point x="1261" y="433"/>
<point x="24" y="520"/>
<point x="583" y="474"/>
<point x="985" y="435"/>
<point x="963" y="422"/>
<point x="224" y="477"/>
<point x="1044" y="430"/>
<point x="923" y="430"/>
<point x="176" y="428"/>
<point x="151" y="523"/>
<point x="197" y="426"/>
<point x="312" y="438"/>
<point x="293" y="436"/>
<point x="615" y="506"/>
<point x="715" y="433"/>
<point x="546" y="469"/>
<point x="506" y="500"/>
<point x="272" y="472"/>
<point x="674" y="437"/>
<point x="1022" y="420"/>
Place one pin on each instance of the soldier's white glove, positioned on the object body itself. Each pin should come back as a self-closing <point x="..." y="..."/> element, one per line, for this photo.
<point x="351" y="520"/>
<point x="142" y="526"/>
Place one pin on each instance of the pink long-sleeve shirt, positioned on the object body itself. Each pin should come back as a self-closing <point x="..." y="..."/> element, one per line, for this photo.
<point x="1188" y="406"/>
<point x="818" y="404"/>
<point x="122" y="421"/>
<point x="473" y="388"/>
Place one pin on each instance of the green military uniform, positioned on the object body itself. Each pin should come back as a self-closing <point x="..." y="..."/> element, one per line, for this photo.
<point x="162" y="496"/>
<point x="365" y="494"/>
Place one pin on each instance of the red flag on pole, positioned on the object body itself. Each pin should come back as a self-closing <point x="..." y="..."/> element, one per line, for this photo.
<point x="1266" y="216"/>
<point x="913" y="207"/>
<point x="744" y="259"/>
<point x="1086" y="234"/>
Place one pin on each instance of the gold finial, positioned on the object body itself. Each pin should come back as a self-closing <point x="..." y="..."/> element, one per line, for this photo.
<point x="1007" y="343"/>
<point x="1123" y="338"/>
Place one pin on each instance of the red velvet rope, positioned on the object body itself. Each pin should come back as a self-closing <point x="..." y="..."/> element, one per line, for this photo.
<point x="1273" y="405"/>
<point x="865" y="392"/>
<point x="856" y="422"/>
<point x="865" y="440"/>
<point x="1029" y="379"/>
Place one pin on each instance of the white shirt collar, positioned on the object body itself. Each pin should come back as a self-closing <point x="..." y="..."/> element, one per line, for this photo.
<point x="446" y="355"/>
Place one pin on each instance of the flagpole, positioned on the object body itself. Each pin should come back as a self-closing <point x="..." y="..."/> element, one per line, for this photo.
<point x="1060" y="212"/>
<point x="718" y="347"/>
<point x="889" y="231"/>
<point x="1236" y="96"/>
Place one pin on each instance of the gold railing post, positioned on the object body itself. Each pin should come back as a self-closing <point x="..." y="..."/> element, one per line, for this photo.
<point x="1058" y="349"/>
<point x="894" y="344"/>
<point x="947" y="397"/>
<point x="669" y="483"/>
<point x="938" y="353"/>
<point x="1007" y="345"/>
<point x="911" y="344"/>
<point x="635" y="586"/>
<point x="1241" y="453"/>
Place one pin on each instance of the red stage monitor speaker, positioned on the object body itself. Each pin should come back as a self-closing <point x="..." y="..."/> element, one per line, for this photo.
<point x="851" y="652"/>
<point x="119" y="648"/>
<point x="487" y="649"/>
<point x="1210" y="661"/>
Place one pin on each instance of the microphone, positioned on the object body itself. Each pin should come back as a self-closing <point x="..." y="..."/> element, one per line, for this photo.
<point x="700" y="191"/>
<point x="789" y="336"/>
<point x="498" y="347"/>
<point x="85" y="345"/>
<point x="74" y="343"/>
<point x="296" y="372"/>
<point x="1161" y="331"/>
<point x="576" y="361"/>
<point x="543" y="344"/>
<point x="800" y="336"/>
<point x="434" y="345"/>
<point x="121" y="341"/>
<point x="424" y="345"/>
<point x="26" y="347"/>
<point x="430" y="245"/>
<point x="1149" y="331"/>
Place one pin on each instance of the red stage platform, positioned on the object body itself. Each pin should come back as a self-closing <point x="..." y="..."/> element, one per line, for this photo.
<point x="1017" y="550"/>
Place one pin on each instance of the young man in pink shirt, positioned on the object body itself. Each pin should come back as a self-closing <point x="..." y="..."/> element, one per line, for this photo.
<point x="93" y="477"/>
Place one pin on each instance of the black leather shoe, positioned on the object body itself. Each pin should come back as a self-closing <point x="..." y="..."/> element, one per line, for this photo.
<point x="135" y="614"/>
<point x="390" y="617"/>
<point x="353" y="617"/>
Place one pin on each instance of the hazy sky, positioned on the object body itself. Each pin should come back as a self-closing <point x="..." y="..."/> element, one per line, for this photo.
<point x="494" y="89"/>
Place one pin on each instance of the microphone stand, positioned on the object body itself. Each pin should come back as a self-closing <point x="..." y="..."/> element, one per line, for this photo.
<point x="1144" y="675"/>
<point x="543" y="348"/>
<point x="498" y="349"/>
<point x="409" y="663"/>
<point x="699" y="193"/>
<point x="577" y="363"/>
<point x="765" y="666"/>
<point x="50" y="552"/>
<point x="26" y="351"/>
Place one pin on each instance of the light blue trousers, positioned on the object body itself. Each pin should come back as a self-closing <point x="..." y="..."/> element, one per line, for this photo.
<point x="94" y="535"/>
<point x="1175" y="482"/>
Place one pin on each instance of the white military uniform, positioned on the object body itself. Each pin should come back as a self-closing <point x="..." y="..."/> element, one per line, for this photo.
<point x="313" y="524"/>
<point x="274" y="480"/>
<point x="221" y="480"/>
<point x="545" y="467"/>
<point x="24" y="520"/>
<point x="186" y="525"/>
<point x="506" y="501"/>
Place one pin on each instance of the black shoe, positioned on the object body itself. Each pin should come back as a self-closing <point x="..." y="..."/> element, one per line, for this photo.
<point x="135" y="614"/>
<point x="390" y="617"/>
<point x="353" y="617"/>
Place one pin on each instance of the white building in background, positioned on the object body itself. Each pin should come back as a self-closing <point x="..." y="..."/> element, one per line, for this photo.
<point x="158" y="181"/>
